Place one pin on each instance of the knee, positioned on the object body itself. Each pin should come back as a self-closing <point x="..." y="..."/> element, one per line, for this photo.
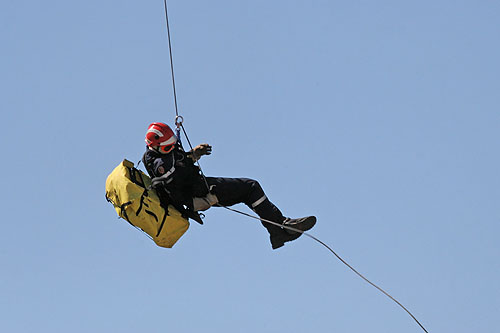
<point x="255" y="192"/>
<point x="252" y="185"/>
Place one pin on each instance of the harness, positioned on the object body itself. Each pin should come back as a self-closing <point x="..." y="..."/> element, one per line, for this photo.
<point x="170" y="189"/>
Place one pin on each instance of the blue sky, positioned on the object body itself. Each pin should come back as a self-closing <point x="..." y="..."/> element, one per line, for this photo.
<point x="380" y="118"/>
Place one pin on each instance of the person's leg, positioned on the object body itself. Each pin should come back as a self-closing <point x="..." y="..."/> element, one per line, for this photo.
<point x="231" y="191"/>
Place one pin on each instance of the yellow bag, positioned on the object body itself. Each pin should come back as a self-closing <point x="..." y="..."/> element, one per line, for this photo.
<point x="127" y="189"/>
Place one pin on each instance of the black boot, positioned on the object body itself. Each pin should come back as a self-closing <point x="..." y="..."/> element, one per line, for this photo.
<point x="279" y="238"/>
<point x="302" y="224"/>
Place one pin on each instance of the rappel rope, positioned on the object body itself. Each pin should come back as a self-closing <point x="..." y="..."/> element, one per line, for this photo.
<point x="336" y="255"/>
<point x="171" y="61"/>
<point x="179" y="123"/>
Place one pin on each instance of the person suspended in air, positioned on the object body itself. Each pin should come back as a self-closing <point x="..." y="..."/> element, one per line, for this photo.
<point x="179" y="181"/>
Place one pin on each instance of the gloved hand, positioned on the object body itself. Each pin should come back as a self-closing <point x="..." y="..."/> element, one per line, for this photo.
<point x="200" y="150"/>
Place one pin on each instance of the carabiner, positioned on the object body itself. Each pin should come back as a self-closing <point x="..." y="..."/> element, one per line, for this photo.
<point x="178" y="121"/>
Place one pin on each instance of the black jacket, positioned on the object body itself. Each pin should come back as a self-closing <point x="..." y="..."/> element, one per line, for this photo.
<point x="180" y="177"/>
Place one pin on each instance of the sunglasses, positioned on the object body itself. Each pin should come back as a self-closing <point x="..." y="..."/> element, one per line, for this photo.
<point x="167" y="148"/>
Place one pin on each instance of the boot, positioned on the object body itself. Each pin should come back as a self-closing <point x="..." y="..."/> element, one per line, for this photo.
<point x="302" y="224"/>
<point x="279" y="238"/>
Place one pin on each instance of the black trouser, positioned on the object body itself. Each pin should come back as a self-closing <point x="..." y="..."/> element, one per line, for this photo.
<point x="231" y="191"/>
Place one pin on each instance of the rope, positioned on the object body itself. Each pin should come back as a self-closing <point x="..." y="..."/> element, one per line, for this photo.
<point x="171" y="58"/>
<point x="336" y="255"/>
<point x="261" y="219"/>
<point x="178" y="119"/>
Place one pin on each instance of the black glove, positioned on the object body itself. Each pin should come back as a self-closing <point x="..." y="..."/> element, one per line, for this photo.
<point x="200" y="150"/>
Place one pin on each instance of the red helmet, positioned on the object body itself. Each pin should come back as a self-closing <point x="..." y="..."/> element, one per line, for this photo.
<point x="161" y="137"/>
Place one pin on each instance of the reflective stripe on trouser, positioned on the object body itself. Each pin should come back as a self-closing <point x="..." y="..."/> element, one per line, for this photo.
<point x="258" y="202"/>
